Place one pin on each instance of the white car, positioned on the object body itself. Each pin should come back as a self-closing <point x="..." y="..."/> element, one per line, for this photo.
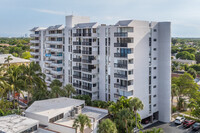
<point x="179" y="120"/>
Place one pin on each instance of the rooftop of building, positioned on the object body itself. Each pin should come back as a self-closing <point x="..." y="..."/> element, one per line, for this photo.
<point x="56" y="27"/>
<point x="37" y="29"/>
<point x="15" y="123"/>
<point x="87" y="25"/>
<point x="14" y="59"/>
<point x="52" y="107"/>
<point x="184" y="61"/>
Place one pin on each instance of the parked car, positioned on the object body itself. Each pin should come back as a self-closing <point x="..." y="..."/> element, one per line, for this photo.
<point x="188" y="123"/>
<point x="179" y="120"/>
<point x="196" y="126"/>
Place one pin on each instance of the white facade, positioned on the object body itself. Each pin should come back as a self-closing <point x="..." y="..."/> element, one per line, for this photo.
<point x="131" y="59"/>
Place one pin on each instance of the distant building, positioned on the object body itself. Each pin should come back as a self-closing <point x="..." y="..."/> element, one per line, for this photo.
<point x="17" y="124"/>
<point x="189" y="62"/>
<point x="58" y="114"/>
<point x="15" y="60"/>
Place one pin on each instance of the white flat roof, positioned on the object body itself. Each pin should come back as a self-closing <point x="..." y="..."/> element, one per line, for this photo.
<point x="15" y="123"/>
<point x="52" y="107"/>
<point x="14" y="59"/>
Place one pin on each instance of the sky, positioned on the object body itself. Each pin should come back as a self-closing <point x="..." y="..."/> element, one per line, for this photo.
<point x="17" y="17"/>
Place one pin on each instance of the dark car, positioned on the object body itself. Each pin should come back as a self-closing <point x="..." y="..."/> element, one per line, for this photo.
<point x="196" y="126"/>
<point x="188" y="123"/>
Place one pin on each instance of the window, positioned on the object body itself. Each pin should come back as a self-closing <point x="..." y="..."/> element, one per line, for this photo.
<point x="154" y="77"/>
<point x="155" y="30"/>
<point x="58" y="117"/>
<point x="154" y="49"/>
<point x="154" y="95"/>
<point x="154" y="105"/>
<point x="154" y="40"/>
<point x="154" y="58"/>
<point x="154" y="68"/>
<point x="94" y="30"/>
<point x="154" y="86"/>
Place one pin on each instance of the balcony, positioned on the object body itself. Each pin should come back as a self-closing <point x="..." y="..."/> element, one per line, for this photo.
<point x="86" y="70"/>
<point x="123" y="34"/>
<point x="76" y="85"/>
<point x="87" y="79"/>
<point x="117" y="75"/>
<point x="86" y="52"/>
<point x="86" y="61"/>
<point x="77" y="68"/>
<point x="54" y="49"/>
<point x="34" y="59"/>
<point x="128" y="45"/>
<point x="34" y="47"/>
<point x="116" y="85"/>
<point x="85" y="87"/>
<point x="77" y="51"/>
<point x="119" y="55"/>
<point x="76" y="43"/>
<point x="86" y="34"/>
<point x="77" y="76"/>
<point x="76" y="34"/>
<point x="35" y="53"/>
<point x="87" y="43"/>
<point x="55" y="35"/>
<point x="118" y="65"/>
<point x="54" y="78"/>
<point x="55" y="42"/>
<point x="56" y="57"/>
<point x="57" y="72"/>
<point x="77" y="59"/>
<point x="55" y="64"/>
<point x="34" y="35"/>
<point x="34" y="41"/>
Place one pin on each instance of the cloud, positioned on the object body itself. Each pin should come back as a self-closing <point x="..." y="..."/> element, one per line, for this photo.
<point x="50" y="11"/>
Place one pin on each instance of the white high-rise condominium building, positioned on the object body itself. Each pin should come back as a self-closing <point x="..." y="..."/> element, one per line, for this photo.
<point x="130" y="59"/>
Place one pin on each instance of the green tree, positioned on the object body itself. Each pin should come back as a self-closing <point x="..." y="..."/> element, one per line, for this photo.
<point x="69" y="90"/>
<point x="136" y="105"/>
<point x="107" y="126"/>
<point x="174" y="91"/>
<point x="185" y="55"/>
<point x="153" y="130"/>
<point x="81" y="121"/>
<point x="56" y="88"/>
<point x="192" y="72"/>
<point x="197" y="57"/>
<point x="26" y="55"/>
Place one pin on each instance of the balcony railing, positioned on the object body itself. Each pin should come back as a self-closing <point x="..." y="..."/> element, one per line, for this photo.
<point x="77" y="51"/>
<point x="116" y="75"/>
<point x="86" y="70"/>
<point x="120" y="86"/>
<point x="76" y="85"/>
<point x="120" y="34"/>
<point x="86" y="52"/>
<point x="87" y="43"/>
<point x="76" y="43"/>
<point x="77" y="59"/>
<point x="77" y="76"/>
<point x="86" y="87"/>
<point x="120" y="44"/>
<point x="86" y="61"/>
<point x="87" y="79"/>
<point x="77" y="67"/>
<point x="120" y="55"/>
<point x="118" y="65"/>
<point x="76" y="34"/>
<point x="86" y="34"/>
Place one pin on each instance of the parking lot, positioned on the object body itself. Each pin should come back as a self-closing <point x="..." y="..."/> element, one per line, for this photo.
<point x="172" y="128"/>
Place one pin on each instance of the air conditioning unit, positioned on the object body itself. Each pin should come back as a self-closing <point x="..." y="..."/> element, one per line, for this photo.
<point x="77" y="109"/>
<point x="72" y="113"/>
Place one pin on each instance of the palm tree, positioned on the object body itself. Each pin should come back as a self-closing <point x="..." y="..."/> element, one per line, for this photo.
<point x="14" y="78"/>
<point x="56" y="88"/>
<point x="8" y="59"/>
<point x="107" y="126"/>
<point x="174" y="91"/>
<point x="136" y="105"/>
<point x="69" y="89"/>
<point x="33" y="77"/>
<point x="81" y="121"/>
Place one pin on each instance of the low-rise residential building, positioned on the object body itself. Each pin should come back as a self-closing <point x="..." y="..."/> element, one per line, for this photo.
<point x="15" y="60"/>
<point x="189" y="62"/>
<point x="58" y="114"/>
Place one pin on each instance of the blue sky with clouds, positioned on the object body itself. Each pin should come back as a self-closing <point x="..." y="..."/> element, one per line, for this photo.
<point x="17" y="17"/>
